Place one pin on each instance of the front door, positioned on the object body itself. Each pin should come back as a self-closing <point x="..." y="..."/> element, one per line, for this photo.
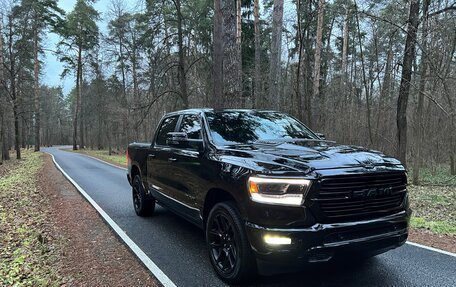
<point x="159" y="170"/>
<point x="188" y="160"/>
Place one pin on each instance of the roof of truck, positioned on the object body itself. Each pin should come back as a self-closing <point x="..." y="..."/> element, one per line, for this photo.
<point x="199" y="110"/>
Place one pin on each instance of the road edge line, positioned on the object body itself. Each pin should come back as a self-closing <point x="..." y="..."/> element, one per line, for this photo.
<point x="407" y="242"/>
<point x="108" y="163"/>
<point x="153" y="268"/>
<point x="100" y="160"/>
<point x="431" y="248"/>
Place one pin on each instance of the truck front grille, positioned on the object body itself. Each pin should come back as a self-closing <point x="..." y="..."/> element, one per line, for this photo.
<point x="343" y="198"/>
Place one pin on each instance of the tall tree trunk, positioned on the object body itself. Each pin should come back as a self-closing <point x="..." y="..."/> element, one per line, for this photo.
<point x="14" y="97"/>
<point x="3" y="155"/>
<point x="124" y="85"/>
<point x="404" y="88"/>
<point x="22" y="123"/>
<point x="239" y="23"/>
<point x="259" y="101"/>
<point x="17" y="145"/>
<point x="36" y="70"/>
<point x="385" y="86"/>
<point x="317" y="61"/>
<point x="299" y="37"/>
<point x="136" y="99"/>
<point x="240" y="99"/>
<point x="452" y="107"/>
<point x="77" y="102"/>
<point x="2" y="128"/>
<point x="366" y="88"/>
<point x="218" y="55"/>
<point x="5" y="144"/>
<point x="306" y="68"/>
<point x="81" y="110"/>
<point x="182" y="76"/>
<point x="232" y="82"/>
<point x="343" y="86"/>
<point x="276" y="52"/>
<point x="421" y="92"/>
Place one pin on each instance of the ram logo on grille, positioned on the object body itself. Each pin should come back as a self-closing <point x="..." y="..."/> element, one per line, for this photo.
<point x="372" y="193"/>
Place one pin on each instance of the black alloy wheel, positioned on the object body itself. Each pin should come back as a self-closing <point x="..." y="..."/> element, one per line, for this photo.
<point x="143" y="203"/>
<point x="229" y="249"/>
<point x="223" y="243"/>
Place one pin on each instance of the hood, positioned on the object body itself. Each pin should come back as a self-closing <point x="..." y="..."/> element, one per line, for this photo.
<point x="309" y="155"/>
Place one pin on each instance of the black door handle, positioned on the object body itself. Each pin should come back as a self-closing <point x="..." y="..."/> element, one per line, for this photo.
<point x="171" y="159"/>
<point x="151" y="156"/>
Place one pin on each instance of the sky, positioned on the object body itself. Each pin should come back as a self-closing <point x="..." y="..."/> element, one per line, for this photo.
<point x="52" y="67"/>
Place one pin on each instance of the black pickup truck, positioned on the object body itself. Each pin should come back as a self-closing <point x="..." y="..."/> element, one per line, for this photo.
<point x="267" y="191"/>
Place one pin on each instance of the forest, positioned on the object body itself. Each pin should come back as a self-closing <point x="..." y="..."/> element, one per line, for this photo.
<point x="380" y="74"/>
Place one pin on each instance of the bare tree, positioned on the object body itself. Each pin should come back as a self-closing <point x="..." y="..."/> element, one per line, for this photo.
<point x="276" y="52"/>
<point x="36" y="72"/>
<point x="259" y="100"/>
<point x="365" y="84"/>
<point x="343" y="81"/>
<point x="2" y="95"/>
<point x="227" y="55"/>
<point x="13" y="84"/>
<point x="182" y="76"/>
<point x="421" y="92"/>
<point x="317" y="61"/>
<point x="404" y="88"/>
<point x="218" y="54"/>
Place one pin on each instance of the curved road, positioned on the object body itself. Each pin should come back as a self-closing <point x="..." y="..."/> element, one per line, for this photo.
<point x="178" y="247"/>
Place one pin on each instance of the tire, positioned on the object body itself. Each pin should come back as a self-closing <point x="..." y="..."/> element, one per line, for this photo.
<point x="144" y="204"/>
<point x="229" y="249"/>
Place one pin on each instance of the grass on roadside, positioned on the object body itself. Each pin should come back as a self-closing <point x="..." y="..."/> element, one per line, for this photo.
<point x="435" y="175"/>
<point x="117" y="159"/>
<point x="434" y="208"/>
<point x="26" y="256"/>
<point x="441" y="227"/>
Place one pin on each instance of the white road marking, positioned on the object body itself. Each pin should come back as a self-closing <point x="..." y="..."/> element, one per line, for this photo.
<point x="408" y="242"/>
<point x="100" y="160"/>
<point x="431" y="248"/>
<point x="153" y="268"/>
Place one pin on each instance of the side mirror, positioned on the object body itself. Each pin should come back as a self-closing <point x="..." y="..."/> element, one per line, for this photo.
<point x="321" y="136"/>
<point x="177" y="139"/>
<point x="180" y="140"/>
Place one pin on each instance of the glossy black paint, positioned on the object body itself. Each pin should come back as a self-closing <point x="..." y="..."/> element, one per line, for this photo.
<point x="186" y="180"/>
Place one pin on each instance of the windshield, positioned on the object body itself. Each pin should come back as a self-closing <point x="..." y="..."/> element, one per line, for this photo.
<point x="246" y="127"/>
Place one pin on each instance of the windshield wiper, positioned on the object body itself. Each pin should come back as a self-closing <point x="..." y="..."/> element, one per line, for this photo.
<point x="239" y="145"/>
<point x="285" y="140"/>
<point x="266" y="142"/>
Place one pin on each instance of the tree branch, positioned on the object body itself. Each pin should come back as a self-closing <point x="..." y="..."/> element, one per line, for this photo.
<point x="446" y="9"/>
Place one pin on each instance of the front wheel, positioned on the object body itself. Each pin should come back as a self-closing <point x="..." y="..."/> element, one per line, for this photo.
<point x="143" y="203"/>
<point x="229" y="248"/>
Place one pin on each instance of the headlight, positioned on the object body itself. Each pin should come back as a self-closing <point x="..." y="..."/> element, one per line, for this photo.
<point x="282" y="191"/>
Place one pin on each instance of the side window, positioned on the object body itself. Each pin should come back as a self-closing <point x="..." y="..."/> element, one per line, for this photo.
<point x="168" y="125"/>
<point x="192" y="126"/>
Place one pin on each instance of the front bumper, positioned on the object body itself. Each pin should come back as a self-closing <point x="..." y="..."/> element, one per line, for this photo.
<point x="322" y="242"/>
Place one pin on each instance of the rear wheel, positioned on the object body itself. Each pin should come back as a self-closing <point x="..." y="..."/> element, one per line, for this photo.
<point x="229" y="248"/>
<point x="143" y="203"/>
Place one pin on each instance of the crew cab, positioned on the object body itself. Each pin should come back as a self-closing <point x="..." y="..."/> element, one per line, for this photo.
<point x="267" y="191"/>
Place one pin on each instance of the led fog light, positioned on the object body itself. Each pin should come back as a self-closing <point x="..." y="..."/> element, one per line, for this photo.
<point x="277" y="240"/>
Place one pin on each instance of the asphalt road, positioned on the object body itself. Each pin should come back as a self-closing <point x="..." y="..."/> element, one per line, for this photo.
<point x="178" y="247"/>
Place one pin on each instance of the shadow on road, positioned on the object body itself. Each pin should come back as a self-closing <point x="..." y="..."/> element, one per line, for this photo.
<point x="368" y="272"/>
